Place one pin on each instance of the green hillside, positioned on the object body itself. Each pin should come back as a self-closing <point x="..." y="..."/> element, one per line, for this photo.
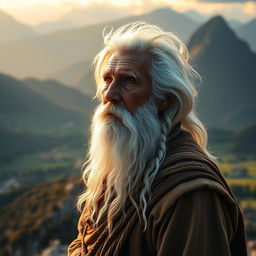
<point x="17" y="144"/>
<point x="22" y="109"/>
<point x="64" y="97"/>
<point x="245" y="140"/>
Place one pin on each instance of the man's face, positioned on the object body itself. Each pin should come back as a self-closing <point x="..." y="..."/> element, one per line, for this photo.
<point x="127" y="80"/>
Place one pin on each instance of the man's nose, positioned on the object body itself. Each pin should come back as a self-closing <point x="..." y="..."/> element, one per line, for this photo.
<point x="112" y="94"/>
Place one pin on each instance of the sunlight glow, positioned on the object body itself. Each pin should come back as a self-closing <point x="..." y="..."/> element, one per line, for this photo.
<point x="36" y="11"/>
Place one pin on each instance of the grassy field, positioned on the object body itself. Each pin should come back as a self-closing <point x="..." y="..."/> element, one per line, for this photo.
<point x="246" y="203"/>
<point x="250" y="182"/>
<point x="28" y="163"/>
<point x="250" y="165"/>
<point x="220" y="149"/>
<point x="40" y="125"/>
<point x="33" y="168"/>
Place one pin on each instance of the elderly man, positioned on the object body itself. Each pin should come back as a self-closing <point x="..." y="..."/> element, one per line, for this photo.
<point x="152" y="188"/>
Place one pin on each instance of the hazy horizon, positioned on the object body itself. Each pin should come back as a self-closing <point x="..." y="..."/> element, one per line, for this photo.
<point x="33" y="12"/>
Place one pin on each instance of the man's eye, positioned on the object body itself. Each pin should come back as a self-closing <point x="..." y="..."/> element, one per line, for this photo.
<point x="107" y="80"/>
<point x="129" y="82"/>
<point x="130" y="79"/>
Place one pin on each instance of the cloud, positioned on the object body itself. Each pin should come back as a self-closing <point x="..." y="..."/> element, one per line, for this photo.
<point x="250" y="8"/>
<point x="36" y="12"/>
<point x="226" y="1"/>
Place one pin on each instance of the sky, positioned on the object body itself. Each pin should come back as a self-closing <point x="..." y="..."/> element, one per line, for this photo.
<point x="33" y="12"/>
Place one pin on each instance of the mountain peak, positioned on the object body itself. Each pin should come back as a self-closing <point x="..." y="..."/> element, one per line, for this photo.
<point x="218" y="20"/>
<point x="168" y="13"/>
<point x="218" y="25"/>
<point x="163" y="10"/>
<point x="215" y="31"/>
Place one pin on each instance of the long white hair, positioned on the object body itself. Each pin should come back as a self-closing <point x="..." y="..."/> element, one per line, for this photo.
<point x="122" y="153"/>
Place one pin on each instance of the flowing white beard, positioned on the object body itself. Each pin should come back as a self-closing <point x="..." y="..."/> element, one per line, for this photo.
<point x="121" y="147"/>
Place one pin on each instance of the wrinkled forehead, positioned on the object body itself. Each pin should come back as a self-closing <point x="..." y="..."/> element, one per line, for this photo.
<point x="129" y="61"/>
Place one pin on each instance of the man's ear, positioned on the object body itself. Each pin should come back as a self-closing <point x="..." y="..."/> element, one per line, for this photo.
<point x="163" y="104"/>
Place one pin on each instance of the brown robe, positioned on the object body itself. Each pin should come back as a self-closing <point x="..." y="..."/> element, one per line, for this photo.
<point x="192" y="212"/>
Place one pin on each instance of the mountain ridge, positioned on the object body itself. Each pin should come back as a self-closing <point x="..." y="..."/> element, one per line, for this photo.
<point x="16" y="30"/>
<point x="27" y="110"/>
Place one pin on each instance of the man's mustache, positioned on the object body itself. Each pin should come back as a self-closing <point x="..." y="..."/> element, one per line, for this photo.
<point x="114" y="111"/>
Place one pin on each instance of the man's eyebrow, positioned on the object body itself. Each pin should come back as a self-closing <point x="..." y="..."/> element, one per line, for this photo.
<point x="129" y="73"/>
<point x="123" y="73"/>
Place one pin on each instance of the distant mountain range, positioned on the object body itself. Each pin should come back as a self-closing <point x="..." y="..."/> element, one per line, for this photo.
<point x="10" y="29"/>
<point x="234" y="24"/>
<point x="248" y="32"/>
<point x="102" y="13"/>
<point x="53" y="26"/>
<point x="227" y="66"/>
<point x="41" y="55"/>
<point x="98" y="13"/>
